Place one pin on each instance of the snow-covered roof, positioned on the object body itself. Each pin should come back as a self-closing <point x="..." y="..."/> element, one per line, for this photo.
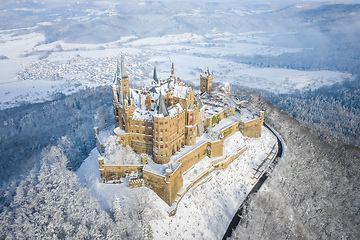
<point x="174" y="110"/>
<point x="142" y="115"/>
<point x="180" y="91"/>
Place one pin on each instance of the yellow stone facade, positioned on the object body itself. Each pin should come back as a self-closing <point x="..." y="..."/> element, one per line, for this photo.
<point x="159" y="121"/>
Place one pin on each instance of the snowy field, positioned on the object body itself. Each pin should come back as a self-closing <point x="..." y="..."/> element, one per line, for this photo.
<point x="36" y="71"/>
<point x="205" y="211"/>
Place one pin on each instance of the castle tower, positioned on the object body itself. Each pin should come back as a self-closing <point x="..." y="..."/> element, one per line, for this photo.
<point x="191" y="119"/>
<point x="201" y="117"/>
<point x="121" y="98"/>
<point x="172" y="76"/>
<point x="206" y="81"/>
<point x="124" y="81"/>
<point x="155" y="75"/>
<point x="191" y="125"/>
<point x="161" y="148"/>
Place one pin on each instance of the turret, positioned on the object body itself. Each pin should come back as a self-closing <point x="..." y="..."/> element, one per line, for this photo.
<point x="206" y="81"/>
<point x="155" y="75"/>
<point x="172" y="76"/>
<point x="124" y="81"/>
<point x="161" y="106"/>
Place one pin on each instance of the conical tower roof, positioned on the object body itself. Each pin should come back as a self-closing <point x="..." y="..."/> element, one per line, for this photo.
<point x="161" y="107"/>
<point x="155" y="75"/>
<point x="172" y="69"/>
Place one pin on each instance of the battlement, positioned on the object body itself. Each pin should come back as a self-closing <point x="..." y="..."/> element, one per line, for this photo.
<point x="172" y="128"/>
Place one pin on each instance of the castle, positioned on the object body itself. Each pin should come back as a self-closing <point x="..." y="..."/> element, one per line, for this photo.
<point x="171" y="127"/>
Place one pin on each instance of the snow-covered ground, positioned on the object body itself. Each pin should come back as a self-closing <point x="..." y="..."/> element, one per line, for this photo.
<point x="32" y="70"/>
<point x="205" y="211"/>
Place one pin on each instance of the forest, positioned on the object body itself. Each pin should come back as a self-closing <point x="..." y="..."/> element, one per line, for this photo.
<point x="40" y="195"/>
<point x="312" y="193"/>
<point x="330" y="112"/>
<point x="67" y="122"/>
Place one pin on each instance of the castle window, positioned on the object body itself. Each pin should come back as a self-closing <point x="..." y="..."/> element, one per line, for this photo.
<point x="166" y="139"/>
<point x="143" y="132"/>
<point x="161" y="123"/>
<point x="157" y="139"/>
<point x="143" y="139"/>
<point x="165" y="129"/>
<point x="161" y="139"/>
<point x="137" y="131"/>
<point x="137" y="138"/>
<point x="161" y="130"/>
<point x="143" y="124"/>
<point x="161" y="146"/>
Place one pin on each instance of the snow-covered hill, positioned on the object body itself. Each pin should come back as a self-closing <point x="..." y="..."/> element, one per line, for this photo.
<point x="205" y="211"/>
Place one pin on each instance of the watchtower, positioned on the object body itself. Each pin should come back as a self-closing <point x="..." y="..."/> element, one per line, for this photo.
<point x="206" y="81"/>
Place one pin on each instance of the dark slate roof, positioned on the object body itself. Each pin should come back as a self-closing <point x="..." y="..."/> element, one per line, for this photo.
<point x="153" y="90"/>
<point x="161" y="107"/>
<point x="155" y="75"/>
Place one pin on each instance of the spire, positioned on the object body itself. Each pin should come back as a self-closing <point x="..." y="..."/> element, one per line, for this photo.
<point x="207" y="71"/>
<point x="123" y="70"/>
<point x="117" y="73"/>
<point x="172" y="69"/>
<point x="117" y="68"/>
<point x="161" y="107"/>
<point x="155" y="75"/>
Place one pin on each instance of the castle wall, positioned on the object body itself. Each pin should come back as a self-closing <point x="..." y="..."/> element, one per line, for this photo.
<point x="142" y="147"/>
<point x="216" y="148"/>
<point x="193" y="157"/>
<point x="158" y="184"/>
<point x="209" y="122"/>
<point x="251" y="128"/>
<point x="136" y="182"/>
<point x="225" y="163"/>
<point x="227" y="132"/>
<point x="125" y="139"/>
<point x="175" y="183"/>
<point x="111" y="172"/>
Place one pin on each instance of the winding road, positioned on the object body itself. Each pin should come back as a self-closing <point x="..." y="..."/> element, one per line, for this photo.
<point x="238" y="215"/>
